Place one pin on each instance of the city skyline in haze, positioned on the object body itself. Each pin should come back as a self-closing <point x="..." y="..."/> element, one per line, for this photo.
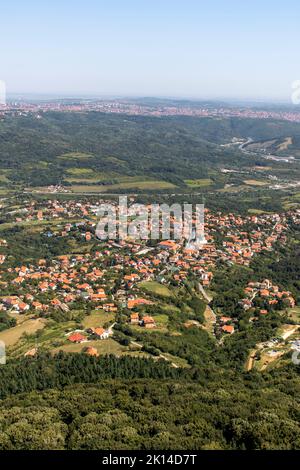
<point x="221" y="50"/>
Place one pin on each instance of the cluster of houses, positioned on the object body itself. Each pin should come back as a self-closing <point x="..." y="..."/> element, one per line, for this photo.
<point x="146" y="321"/>
<point x="269" y="293"/>
<point x="89" y="334"/>
<point x="50" y="210"/>
<point x="226" y="325"/>
<point x="108" y="276"/>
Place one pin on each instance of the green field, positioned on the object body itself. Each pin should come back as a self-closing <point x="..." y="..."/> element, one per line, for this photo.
<point x="294" y="314"/>
<point x="161" y="320"/>
<point x="198" y="183"/>
<point x="13" y="335"/>
<point x="256" y="211"/>
<point x="253" y="182"/>
<point x="155" y="288"/>
<point x="105" y="346"/>
<point x="88" y="175"/>
<point x="52" y="334"/>
<point x="113" y="180"/>
<point x="80" y="171"/>
<point x="97" y="319"/>
<point x="292" y="201"/>
<point x="139" y="185"/>
<point x="32" y="225"/>
<point x="36" y="165"/>
<point x="170" y="308"/>
<point x="3" y="179"/>
<point x="75" y="156"/>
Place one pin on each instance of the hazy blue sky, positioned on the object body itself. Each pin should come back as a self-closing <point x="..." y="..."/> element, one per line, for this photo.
<point x="193" y="48"/>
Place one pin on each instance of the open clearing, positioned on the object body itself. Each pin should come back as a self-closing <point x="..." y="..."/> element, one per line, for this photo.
<point x="3" y="179"/>
<point x="97" y="318"/>
<point x="161" y="320"/>
<point x="285" y="144"/>
<point x="155" y="288"/>
<point x="75" y="156"/>
<point x="232" y="189"/>
<point x="88" y="175"/>
<point x="255" y="182"/>
<point x="198" y="183"/>
<point x="287" y="330"/>
<point x="210" y="320"/>
<point x="75" y="171"/>
<point x="270" y="355"/>
<point x="258" y="211"/>
<point x="139" y="185"/>
<point x="268" y="358"/>
<point x="104" y="346"/>
<point x="294" y="314"/>
<point x="12" y="335"/>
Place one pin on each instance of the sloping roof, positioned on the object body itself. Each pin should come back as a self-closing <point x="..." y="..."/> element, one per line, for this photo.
<point x="76" y="338"/>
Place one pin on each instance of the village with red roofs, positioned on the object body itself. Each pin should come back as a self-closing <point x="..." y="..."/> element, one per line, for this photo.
<point x="110" y="292"/>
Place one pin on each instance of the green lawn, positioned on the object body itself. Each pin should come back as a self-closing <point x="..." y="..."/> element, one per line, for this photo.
<point x="97" y="318"/>
<point x="51" y="333"/>
<point x="75" y="156"/>
<point x="87" y="175"/>
<point x="256" y="182"/>
<point x="294" y="314"/>
<point x="256" y="211"/>
<point x="3" y="179"/>
<point x="104" y="346"/>
<point x="80" y="171"/>
<point x="156" y="288"/>
<point x="11" y="336"/>
<point x="170" y="308"/>
<point x="161" y="320"/>
<point x="198" y="183"/>
<point x="139" y="185"/>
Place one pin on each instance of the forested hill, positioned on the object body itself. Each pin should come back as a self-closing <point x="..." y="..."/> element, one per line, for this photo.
<point x="125" y="404"/>
<point x="168" y="148"/>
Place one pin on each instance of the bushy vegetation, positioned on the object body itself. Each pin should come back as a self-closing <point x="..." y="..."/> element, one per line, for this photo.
<point x="6" y="321"/>
<point x="130" y="404"/>
<point x="42" y="151"/>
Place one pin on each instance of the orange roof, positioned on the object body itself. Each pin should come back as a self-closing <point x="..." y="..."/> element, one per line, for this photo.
<point x="147" y="320"/>
<point x="133" y="302"/>
<point x="91" y="351"/>
<point x="131" y="276"/>
<point x="83" y="286"/>
<point x="22" y="305"/>
<point x="76" y="338"/>
<point x="225" y="319"/>
<point x="228" y="328"/>
<point x="264" y="292"/>
<point x="98" y="331"/>
<point x="37" y="304"/>
<point x="100" y="295"/>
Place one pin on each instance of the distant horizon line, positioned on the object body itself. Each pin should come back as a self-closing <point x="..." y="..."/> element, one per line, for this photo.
<point x="115" y="96"/>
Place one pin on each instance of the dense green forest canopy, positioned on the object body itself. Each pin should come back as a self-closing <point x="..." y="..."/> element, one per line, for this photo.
<point x="126" y="404"/>
<point x="35" y="150"/>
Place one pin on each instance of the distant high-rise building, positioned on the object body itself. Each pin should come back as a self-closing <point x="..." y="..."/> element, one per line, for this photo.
<point x="2" y="93"/>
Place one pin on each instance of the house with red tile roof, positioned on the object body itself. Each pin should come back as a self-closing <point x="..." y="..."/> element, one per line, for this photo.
<point x="148" y="322"/>
<point x="228" y="329"/>
<point x="77" y="338"/>
<point x="90" y="351"/>
<point x="134" y="318"/>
